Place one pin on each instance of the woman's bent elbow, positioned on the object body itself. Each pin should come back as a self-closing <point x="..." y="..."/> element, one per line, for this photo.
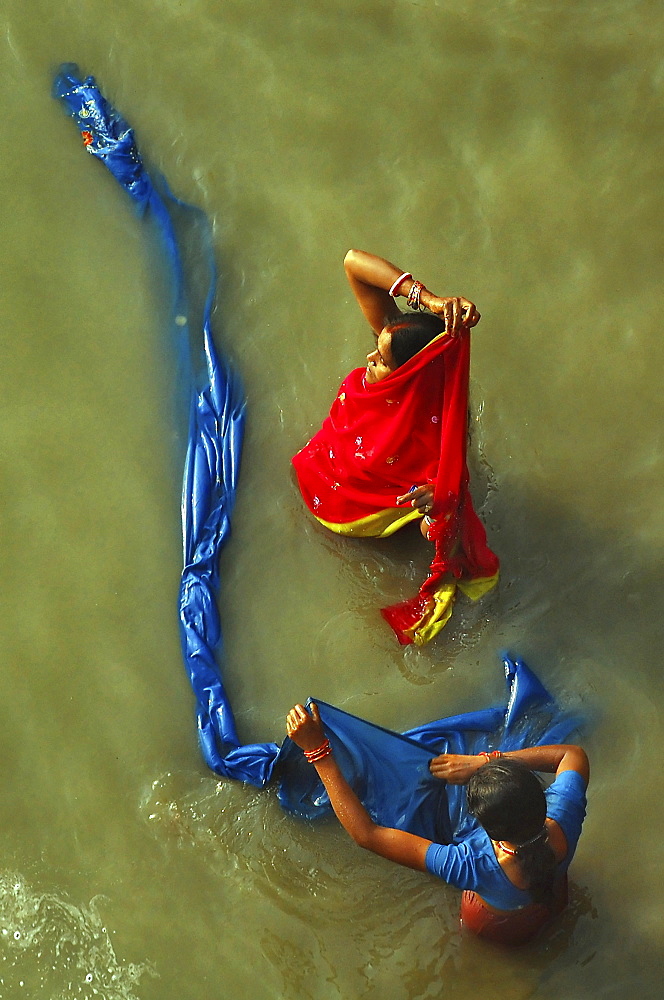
<point x="350" y="259"/>
<point x="365" y="840"/>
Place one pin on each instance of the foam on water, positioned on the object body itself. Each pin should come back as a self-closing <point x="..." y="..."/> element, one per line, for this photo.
<point x="51" y="948"/>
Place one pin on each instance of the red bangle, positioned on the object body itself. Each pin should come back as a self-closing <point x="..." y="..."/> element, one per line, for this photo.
<point x="320" y="753"/>
<point x="490" y="755"/>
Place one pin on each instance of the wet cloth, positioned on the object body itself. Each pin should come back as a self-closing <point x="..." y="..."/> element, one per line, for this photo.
<point x="209" y="415"/>
<point x="382" y="438"/>
<point x="390" y="771"/>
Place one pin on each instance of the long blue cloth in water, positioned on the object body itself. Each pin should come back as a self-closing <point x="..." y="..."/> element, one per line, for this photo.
<point x="216" y="416"/>
<point x="388" y="770"/>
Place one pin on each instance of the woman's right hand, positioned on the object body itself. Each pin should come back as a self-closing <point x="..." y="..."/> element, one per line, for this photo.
<point x="421" y="498"/>
<point x="305" y="730"/>
<point x="456" y="311"/>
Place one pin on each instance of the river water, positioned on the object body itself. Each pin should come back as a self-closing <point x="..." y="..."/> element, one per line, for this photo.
<point x="506" y="150"/>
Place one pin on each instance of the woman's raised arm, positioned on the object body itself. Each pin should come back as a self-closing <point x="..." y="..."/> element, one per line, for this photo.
<point x="376" y="283"/>
<point x="553" y="758"/>
<point x="396" y="845"/>
<point x="371" y="279"/>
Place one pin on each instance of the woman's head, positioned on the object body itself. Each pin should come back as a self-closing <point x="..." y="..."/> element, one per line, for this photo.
<point x="508" y="800"/>
<point x="399" y="341"/>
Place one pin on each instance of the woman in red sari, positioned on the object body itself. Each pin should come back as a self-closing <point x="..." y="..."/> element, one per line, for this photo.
<point x="393" y="448"/>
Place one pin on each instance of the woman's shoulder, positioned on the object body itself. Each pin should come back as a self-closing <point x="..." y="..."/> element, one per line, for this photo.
<point x="568" y="784"/>
<point x="462" y="860"/>
<point x="566" y="806"/>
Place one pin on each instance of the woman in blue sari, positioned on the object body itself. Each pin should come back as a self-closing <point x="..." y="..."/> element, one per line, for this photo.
<point x="512" y="862"/>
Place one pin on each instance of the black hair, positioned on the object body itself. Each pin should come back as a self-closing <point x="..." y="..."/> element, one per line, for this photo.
<point x="508" y="800"/>
<point x="411" y="332"/>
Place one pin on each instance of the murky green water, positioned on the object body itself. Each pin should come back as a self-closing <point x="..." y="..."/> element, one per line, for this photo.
<point x="509" y="151"/>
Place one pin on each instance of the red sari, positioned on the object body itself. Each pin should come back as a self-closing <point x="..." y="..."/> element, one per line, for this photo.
<point x="380" y="440"/>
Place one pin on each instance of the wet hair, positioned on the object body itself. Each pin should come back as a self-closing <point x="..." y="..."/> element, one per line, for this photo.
<point x="411" y="332"/>
<point x="508" y="800"/>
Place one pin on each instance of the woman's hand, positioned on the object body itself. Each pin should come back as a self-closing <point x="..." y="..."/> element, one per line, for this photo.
<point x="421" y="498"/>
<point x="456" y="769"/>
<point x="305" y="730"/>
<point x="457" y="312"/>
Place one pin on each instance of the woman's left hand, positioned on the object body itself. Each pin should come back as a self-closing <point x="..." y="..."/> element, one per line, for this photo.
<point x="456" y="311"/>
<point x="455" y="768"/>
<point x="305" y="730"/>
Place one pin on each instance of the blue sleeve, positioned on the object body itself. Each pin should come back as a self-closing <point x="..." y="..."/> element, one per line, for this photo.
<point x="472" y="865"/>
<point x="566" y="804"/>
<point x="455" y="863"/>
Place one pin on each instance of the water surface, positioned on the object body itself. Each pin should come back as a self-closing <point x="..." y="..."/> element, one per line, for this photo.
<point x="506" y="151"/>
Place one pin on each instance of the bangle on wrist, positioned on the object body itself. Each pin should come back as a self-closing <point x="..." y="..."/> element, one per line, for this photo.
<point x="320" y="753"/>
<point x="413" y="299"/>
<point x="490" y="755"/>
<point x="396" y="284"/>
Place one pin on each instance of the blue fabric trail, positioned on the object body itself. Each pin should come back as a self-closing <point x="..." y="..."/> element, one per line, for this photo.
<point x="216" y="420"/>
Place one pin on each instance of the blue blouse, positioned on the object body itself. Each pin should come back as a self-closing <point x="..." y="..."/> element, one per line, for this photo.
<point x="472" y="863"/>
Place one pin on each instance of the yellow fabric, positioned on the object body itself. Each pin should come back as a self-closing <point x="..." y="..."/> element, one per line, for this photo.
<point x="436" y="618"/>
<point x="385" y="523"/>
<point x="474" y="589"/>
<point x="379" y="525"/>
<point x="440" y="612"/>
